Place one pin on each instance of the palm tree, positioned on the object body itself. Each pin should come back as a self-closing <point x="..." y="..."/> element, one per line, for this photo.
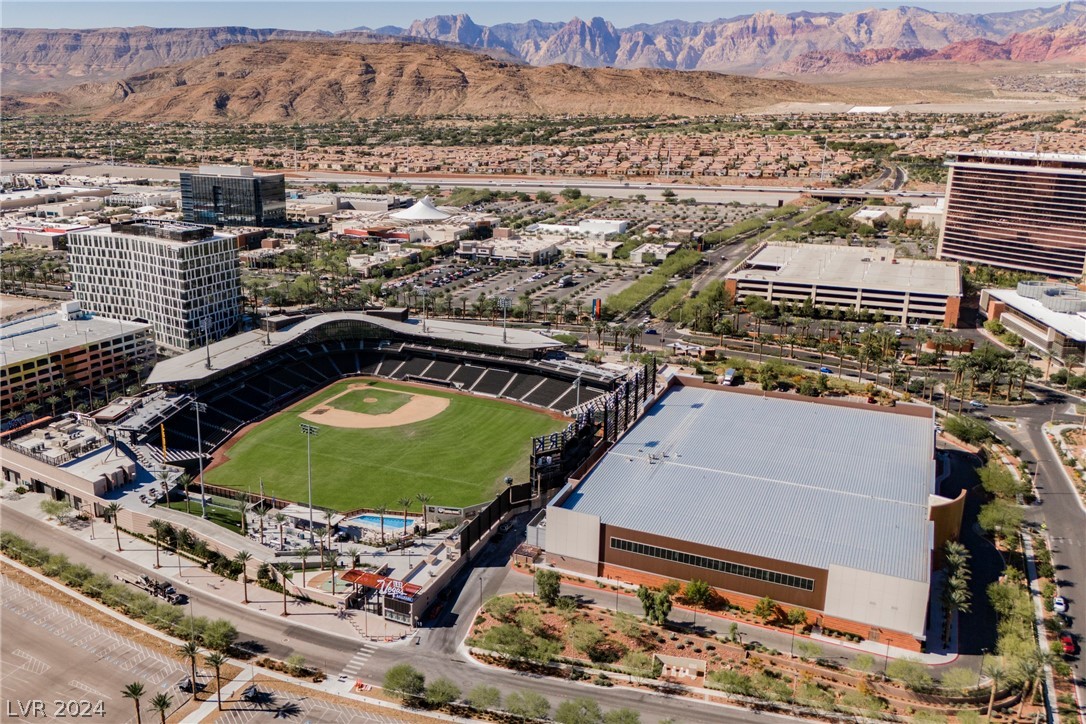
<point x="304" y="552"/>
<point x="280" y="519"/>
<point x="190" y="650"/>
<point x="71" y="395"/>
<point x="243" y="557"/>
<point x="53" y="400"/>
<point x="284" y="570"/>
<point x="161" y="703"/>
<point x="112" y="510"/>
<point x="216" y="661"/>
<point x="405" y="503"/>
<point x="183" y="483"/>
<point x="600" y="328"/>
<point x="159" y="527"/>
<point x="424" y="499"/>
<point x="1031" y="669"/>
<point x="381" y="510"/>
<point x="134" y="691"/>
<point x="993" y="669"/>
<point x="331" y="556"/>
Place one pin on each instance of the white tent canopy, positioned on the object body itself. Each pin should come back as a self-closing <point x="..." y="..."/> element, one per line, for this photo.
<point x="423" y="210"/>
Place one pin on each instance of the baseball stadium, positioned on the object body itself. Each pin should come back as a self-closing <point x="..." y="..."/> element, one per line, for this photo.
<point x="395" y="406"/>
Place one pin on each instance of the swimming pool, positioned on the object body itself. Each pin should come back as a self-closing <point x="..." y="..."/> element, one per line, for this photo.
<point x="374" y="521"/>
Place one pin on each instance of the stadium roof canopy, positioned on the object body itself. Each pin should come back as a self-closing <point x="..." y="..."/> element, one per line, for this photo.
<point x="422" y="210"/>
<point x="792" y="480"/>
<point x="239" y="349"/>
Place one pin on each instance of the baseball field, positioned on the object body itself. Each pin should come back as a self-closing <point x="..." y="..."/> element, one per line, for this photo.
<point x="378" y="441"/>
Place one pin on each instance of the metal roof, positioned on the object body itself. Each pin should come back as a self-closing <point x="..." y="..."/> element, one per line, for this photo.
<point x="240" y="348"/>
<point x="787" y="479"/>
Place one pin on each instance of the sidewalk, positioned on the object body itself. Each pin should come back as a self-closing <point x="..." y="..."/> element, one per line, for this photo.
<point x="187" y="576"/>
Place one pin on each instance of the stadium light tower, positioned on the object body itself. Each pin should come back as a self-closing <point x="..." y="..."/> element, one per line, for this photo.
<point x="504" y="303"/>
<point x="199" y="407"/>
<point x="309" y="431"/>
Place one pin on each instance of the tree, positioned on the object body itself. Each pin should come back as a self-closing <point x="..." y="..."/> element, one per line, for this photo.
<point x="219" y="635"/>
<point x="216" y="661"/>
<point x="765" y="609"/>
<point x="484" y="698"/>
<point x="280" y="519"/>
<point x="544" y="197"/>
<point x="111" y="511"/>
<point x="405" y="680"/>
<point x="669" y="196"/>
<point x="910" y="672"/>
<point x="1030" y="670"/>
<point x="304" y="552"/>
<point x="405" y="503"/>
<point x="527" y="704"/>
<point x="442" y="692"/>
<point x="993" y="669"/>
<point x="578" y="711"/>
<point x="656" y="604"/>
<point x="796" y="617"/>
<point x="189" y="651"/>
<point x="698" y="594"/>
<point x="135" y="692"/>
<point x="52" y="401"/>
<point x="569" y="194"/>
<point x="381" y="510"/>
<point x="161" y="703"/>
<point x="622" y="716"/>
<point x="547" y="585"/>
<point x="159" y="527"/>
<point x="425" y="500"/>
<point x="284" y="571"/>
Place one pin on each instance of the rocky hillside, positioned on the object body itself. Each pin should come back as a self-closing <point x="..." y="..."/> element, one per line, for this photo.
<point x="50" y="59"/>
<point x="745" y="43"/>
<point x="35" y="60"/>
<point x="1065" y="43"/>
<point x="286" y="81"/>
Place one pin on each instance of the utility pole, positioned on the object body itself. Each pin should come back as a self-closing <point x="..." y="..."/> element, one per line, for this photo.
<point x="504" y="303"/>
<point x="309" y="431"/>
<point x="199" y="407"/>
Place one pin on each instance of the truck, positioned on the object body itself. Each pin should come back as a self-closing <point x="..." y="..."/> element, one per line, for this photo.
<point x="159" y="589"/>
<point x="566" y="281"/>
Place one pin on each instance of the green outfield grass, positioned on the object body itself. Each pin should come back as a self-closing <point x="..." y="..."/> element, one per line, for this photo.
<point x="460" y="456"/>
<point x="385" y="401"/>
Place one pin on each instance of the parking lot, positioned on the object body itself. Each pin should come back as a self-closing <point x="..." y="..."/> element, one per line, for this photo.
<point x="51" y="653"/>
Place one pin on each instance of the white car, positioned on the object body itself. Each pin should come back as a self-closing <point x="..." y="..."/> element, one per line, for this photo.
<point x="1059" y="604"/>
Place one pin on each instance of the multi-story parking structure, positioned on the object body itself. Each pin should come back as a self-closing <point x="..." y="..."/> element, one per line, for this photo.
<point x="857" y="278"/>
<point x="1024" y="211"/>
<point x="68" y="348"/>
<point x="182" y="278"/>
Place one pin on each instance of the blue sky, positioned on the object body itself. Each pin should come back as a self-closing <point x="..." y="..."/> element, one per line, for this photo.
<point x="325" y="15"/>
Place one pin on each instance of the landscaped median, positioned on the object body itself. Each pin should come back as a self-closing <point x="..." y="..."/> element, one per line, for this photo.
<point x="560" y="636"/>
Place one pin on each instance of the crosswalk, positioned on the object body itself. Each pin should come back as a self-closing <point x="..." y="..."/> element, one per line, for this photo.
<point x="359" y="660"/>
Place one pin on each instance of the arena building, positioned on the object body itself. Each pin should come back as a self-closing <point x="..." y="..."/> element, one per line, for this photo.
<point x="826" y="505"/>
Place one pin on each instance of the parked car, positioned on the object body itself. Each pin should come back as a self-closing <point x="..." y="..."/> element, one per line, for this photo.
<point x="1059" y="604"/>
<point x="977" y="405"/>
<point x="1067" y="639"/>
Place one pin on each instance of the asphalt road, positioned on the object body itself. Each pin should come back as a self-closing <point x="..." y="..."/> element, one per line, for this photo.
<point x="435" y="654"/>
<point x="1061" y="510"/>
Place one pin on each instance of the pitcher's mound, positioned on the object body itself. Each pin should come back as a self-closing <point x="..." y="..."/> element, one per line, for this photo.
<point x="418" y="407"/>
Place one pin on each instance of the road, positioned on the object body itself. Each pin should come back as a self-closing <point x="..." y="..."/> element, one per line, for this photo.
<point x="436" y="654"/>
<point x="1060" y="509"/>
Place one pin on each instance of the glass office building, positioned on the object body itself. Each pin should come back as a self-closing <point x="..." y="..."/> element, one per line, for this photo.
<point x="233" y="196"/>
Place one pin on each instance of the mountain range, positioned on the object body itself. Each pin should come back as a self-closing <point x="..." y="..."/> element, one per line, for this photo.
<point x="36" y="59"/>
<point x="308" y="81"/>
